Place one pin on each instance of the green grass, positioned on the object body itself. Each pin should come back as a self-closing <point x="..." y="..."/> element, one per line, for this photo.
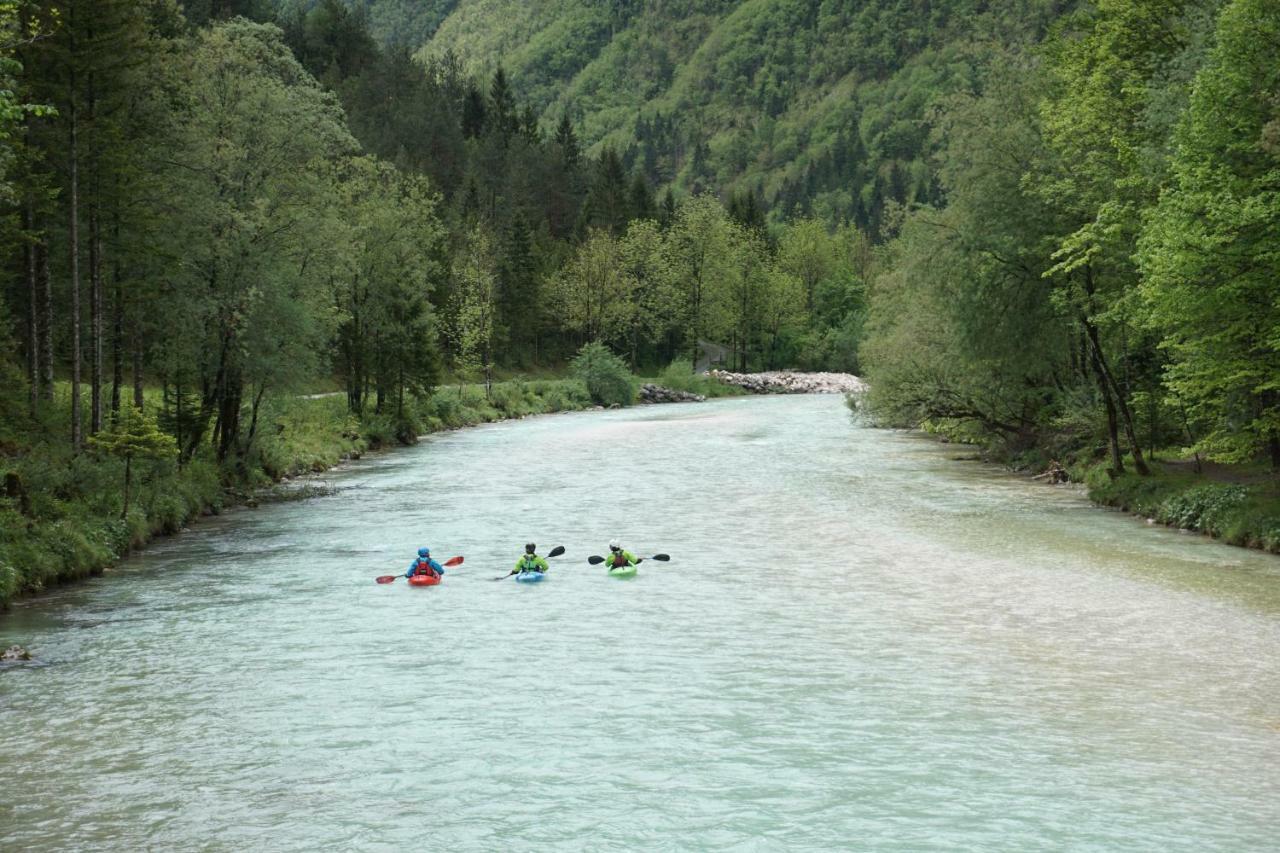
<point x="679" y="376"/>
<point x="66" y="524"/>
<point x="1239" y="513"/>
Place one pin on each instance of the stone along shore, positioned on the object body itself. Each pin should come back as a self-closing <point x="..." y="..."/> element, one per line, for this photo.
<point x="790" y="382"/>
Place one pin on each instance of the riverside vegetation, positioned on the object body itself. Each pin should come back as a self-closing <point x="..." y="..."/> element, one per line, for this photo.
<point x="1048" y="227"/>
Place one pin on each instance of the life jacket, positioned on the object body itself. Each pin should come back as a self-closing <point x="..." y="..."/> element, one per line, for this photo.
<point x="423" y="567"/>
<point x="619" y="560"/>
<point x="529" y="563"/>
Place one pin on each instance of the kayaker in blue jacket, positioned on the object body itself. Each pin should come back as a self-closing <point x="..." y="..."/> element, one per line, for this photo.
<point x="424" y="565"/>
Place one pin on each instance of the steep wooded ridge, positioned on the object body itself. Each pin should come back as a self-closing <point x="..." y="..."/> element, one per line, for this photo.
<point x="819" y="108"/>
<point x="1051" y="230"/>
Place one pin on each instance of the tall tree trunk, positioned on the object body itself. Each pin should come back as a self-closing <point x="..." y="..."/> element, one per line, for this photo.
<point x="95" y="320"/>
<point x="128" y="485"/>
<point x="33" y="308"/>
<point x="73" y="239"/>
<point x="95" y="257"/>
<point x="137" y="365"/>
<point x="46" y="310"/>
<point x="117" y="344"/>
<point x="253" y="419"/>
<point x="229" y="414"/>
<point x="117" y="307"/>
<point x="1126" y="415"/>
<point x="1113" y="434"/>
<point x="177" y="418"/>
<point x="1273" y="444"/>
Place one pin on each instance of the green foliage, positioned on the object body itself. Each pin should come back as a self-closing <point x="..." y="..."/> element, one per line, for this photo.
<point x="679" y="376"/>
<point x="1098" y="280"/>
<point x="1211" y="247"/>
<point x="1236" y="513"/>
<point x="606" y="376"/>
<point x="811" y="108"/>
<point x="135" y="435"/>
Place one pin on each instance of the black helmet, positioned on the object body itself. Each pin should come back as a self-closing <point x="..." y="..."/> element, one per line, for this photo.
<point x="529" y="547"/>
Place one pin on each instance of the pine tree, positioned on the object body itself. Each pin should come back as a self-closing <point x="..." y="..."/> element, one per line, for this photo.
<point x="134" y="435"/>
<point x="641" y="199"/>
<point x="566" y="141"/>
<point x="473" y="113"/>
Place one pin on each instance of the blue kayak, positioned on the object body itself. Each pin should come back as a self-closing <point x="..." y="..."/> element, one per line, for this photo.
<point x="530" y="577"/>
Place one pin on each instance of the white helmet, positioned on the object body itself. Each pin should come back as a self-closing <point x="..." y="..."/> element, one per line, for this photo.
<point x="613" y="545"/>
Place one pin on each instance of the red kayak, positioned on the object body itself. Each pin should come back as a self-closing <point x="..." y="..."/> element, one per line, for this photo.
<point x="424" y="580"/>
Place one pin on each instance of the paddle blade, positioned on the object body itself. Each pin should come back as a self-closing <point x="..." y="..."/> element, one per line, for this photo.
<point x="453" y="561"/>
<point x="386" y="578"/>
<point x="663" y="557"/>
<point x="595" y="561"/>
<point x="556" y="551"/>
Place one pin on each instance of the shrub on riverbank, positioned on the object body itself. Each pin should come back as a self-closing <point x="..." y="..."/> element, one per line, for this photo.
<point x="606" y="376"/>
<point x="60" y="513"/>
<point x="1246" y="514"/>
<point x="679" y="376"/>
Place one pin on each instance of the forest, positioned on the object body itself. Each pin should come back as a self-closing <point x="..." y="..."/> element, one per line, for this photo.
<point x="1049" y="228"/>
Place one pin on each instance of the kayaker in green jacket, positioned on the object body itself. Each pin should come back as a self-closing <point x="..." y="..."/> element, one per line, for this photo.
<point x="530" y="561"/>
<point x="618" y="558"/>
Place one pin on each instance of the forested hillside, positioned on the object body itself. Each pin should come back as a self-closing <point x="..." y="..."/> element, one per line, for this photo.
<point x="1052" y="230"/>
<point x="211" y="211"/>
<point x="1102" y="281"/>
<point x="816" y="108"/>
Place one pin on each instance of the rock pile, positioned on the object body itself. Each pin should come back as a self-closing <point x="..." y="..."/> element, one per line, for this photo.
<point x="650" y="393"/>
<point x="789" y="382"/>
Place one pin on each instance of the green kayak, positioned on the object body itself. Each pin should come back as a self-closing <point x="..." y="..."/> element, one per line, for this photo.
<point x="623" y="572"/>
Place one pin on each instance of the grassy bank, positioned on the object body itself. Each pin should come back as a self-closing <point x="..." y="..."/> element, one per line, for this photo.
<point x="1238" y="504"/>
<point x="679" y="376"/>
<point x="60" y="513"/>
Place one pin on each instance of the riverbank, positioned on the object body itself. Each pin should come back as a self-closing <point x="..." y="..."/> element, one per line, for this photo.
<point x="1238" y="504"/>
<point x="791" y="382"/>
<point x="60" y="514"/>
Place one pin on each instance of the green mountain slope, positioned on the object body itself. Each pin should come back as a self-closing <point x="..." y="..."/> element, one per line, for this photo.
<point x="820" y="107"/>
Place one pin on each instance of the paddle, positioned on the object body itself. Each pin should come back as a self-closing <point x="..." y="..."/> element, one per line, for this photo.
<point x="554" y="552"/>
<point x="595" y="561"/>
<point x="452" y="561"/>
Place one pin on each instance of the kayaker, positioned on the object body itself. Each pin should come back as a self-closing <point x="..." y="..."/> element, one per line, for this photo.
<point x="618" y="558"/>
<point x="530" y="561"/>
<point x="424" y="565"/>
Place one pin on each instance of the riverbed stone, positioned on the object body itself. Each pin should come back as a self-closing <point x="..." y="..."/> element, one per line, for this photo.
<point x="792" y="382"/>
<point x="650" y="393"/>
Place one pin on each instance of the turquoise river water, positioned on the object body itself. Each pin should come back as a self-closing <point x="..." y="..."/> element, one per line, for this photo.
<point x="859" y="643"/>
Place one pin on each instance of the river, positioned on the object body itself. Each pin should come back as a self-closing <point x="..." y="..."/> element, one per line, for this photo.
<point x="859" y="643"/>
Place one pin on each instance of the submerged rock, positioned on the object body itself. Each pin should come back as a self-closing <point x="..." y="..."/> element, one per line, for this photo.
<point x="15" y="653"/>
<point x="792" y="382"/>
<point x="650" y="393"/>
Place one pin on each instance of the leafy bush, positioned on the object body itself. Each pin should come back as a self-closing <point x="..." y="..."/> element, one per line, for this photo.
<point x="606" y="376"/>
<point x="679" y="376"/>
<point x="1203" y="508"/>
